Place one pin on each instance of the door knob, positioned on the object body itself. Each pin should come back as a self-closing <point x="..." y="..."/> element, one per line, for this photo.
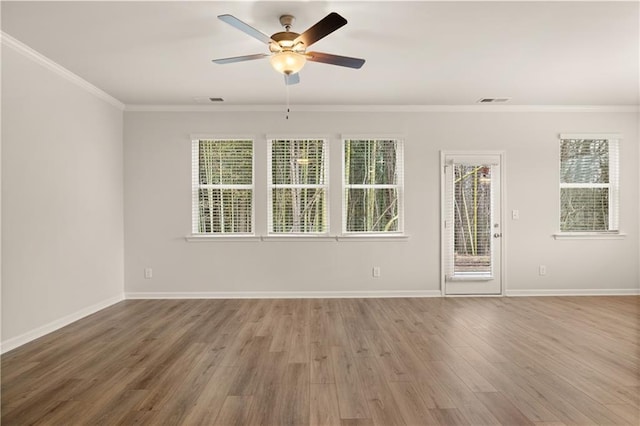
<point x="497" y="235"/>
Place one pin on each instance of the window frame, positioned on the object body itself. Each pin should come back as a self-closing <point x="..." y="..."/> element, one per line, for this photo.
<point x="613" y="186"/>
<point x="399" y="185"/>
<point x="196" y="235"/>
<point x="325" y="186"/>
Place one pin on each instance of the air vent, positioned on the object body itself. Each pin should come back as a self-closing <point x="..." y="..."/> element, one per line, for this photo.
<point x="206" y="99"/>
<point x="493" y="100"/>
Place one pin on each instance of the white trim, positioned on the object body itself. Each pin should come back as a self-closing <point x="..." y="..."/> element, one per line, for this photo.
<point x="200" y="238"/>
<point x="574" y="292"/>
<point x="36" y="333"/>
<point x="589" y="236"/>
<point x="470" y="277"/>
<point x="220" y="137"/>
<point x="386" y="108"/>
<point x="39" y="58"/>
<point x="376" y="237"/>
<point x="294" y="237"/>
<point x="373" y="136"/>
<point x="284" y="294"/>
<point x="589" y="136"/>
<point x="297" y="137"/>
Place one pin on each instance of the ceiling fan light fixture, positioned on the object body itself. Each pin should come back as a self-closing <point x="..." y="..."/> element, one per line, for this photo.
<point x="287" y="62"/>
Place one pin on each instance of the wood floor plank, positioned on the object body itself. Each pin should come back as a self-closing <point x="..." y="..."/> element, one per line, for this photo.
<point x="382" y="405"/>
<point x="235" y="411"/>
<point x="503" y="409"/>
<point x="351" y="399"/>
<point x="350" y="362"/>
<point x="449" y="417"/>
<point x="324" y="409"/>
<point x="321" y="364"/>
<point x="413" y="408"/>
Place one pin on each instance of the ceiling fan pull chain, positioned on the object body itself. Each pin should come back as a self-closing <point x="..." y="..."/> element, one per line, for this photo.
<point x="288" y="110"/>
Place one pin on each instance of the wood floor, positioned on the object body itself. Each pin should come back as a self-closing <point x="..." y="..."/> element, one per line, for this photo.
<point x="472" y="361"/>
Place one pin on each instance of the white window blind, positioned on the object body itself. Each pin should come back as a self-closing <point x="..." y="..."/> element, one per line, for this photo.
<point x="373" y="186"/>
<point x="589" y="184"/>
<point x="297" y="186"/>
<point x="222" y="187"/>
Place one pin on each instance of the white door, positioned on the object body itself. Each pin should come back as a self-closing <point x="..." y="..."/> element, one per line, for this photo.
<point x="471" y="225"/>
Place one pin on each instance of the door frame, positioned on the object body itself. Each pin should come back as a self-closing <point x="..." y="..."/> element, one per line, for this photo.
<point x="501" y="211"/>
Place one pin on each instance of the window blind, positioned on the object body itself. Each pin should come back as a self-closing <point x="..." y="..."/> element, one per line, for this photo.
<point x="297" y="186"/>
<point x="223" y="186"/>
<point x="589" y="178"/>
<point x="373" y="186"/>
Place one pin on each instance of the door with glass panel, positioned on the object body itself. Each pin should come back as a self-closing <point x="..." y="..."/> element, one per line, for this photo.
<point x="471" y="225"/>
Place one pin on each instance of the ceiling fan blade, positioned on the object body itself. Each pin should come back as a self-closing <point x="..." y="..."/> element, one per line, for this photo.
<point x="327" y="58"/>
<point x="239" y="58"/>
<point x="291" y="79"/>
<point x="245" y="28"/>
<point x="321" y="29"/>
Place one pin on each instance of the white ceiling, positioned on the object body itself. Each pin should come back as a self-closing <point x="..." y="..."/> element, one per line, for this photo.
<point x="418" y="53"/>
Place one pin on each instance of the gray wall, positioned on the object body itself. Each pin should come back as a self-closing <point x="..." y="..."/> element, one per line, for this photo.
<point x="158" y="205"/>
<point x="62" y="200"/>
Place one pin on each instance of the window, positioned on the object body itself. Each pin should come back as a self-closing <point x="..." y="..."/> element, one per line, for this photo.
<point x="588" y="184"/>
<point x="373" y="186"/>
<point x="297" y="186"/>
<point x="222" y="187"/>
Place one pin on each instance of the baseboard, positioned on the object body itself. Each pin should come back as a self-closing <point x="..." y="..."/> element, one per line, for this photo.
<point x="283" y="294"/>
<point x="574" y="292"/>
<point x="27" y="337"/>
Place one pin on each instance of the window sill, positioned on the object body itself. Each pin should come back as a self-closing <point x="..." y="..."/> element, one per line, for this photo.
<point x="589" y="236"/>
<point x="297" y="237"/>
<point x="210" y="238"/>
<point x="372" y="237"/>
<point x="294" y="237"/>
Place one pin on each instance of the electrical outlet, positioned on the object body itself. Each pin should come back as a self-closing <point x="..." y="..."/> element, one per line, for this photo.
<point x="542" y="270"/>
<point x="376" y="272"/>
<point x="515" y="214"/>
<point x="148" y="273"/>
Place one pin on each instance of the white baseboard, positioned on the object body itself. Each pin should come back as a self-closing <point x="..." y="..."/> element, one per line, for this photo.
<point x="574" y="292"/>
<point x="27" y="337"/>
<point x="283" y="294"/>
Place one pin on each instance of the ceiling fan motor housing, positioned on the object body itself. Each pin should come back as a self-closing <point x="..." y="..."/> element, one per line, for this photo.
<point x="283" y="42"/>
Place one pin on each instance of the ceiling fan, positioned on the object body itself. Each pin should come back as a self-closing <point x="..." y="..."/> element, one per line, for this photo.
<point x="288" y="50"/>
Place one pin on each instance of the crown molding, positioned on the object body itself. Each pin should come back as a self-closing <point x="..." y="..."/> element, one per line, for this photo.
<point x="58" y="69"/>
<point x="385" y="108"/>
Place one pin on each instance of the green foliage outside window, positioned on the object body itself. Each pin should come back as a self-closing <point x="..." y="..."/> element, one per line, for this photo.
<point x="372" y="186"/>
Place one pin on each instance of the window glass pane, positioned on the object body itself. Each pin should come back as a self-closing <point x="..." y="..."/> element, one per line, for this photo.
<point x="472" y="219"/>
<point x="299" y="210"/>
<point x="370" y="162"/>
<point x="226" y="162"/>
<point x="225" y="210"/>
<point x="298" y="205"/>
<point x="297" y="162"/>
<point x="372" y="210"/>
<point x="584" y="209"/>
<point x="584" y="161"/>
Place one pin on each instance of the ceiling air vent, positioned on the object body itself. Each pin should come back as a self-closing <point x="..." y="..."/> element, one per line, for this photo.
<point x="206" y="99"/>
<point x="493" y="100"/>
